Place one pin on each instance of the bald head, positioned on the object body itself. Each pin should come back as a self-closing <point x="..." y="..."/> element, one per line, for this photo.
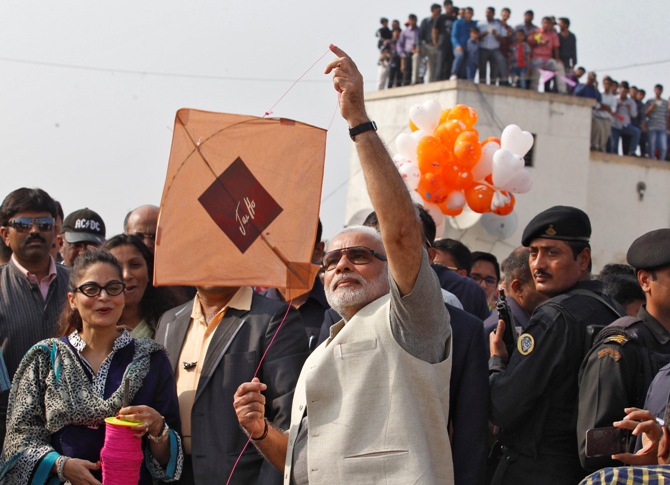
<point x="142" y="222"/>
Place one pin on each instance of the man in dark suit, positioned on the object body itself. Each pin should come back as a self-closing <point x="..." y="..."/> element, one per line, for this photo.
<point x="216" y="343"/>
<point x="312" y="305"/>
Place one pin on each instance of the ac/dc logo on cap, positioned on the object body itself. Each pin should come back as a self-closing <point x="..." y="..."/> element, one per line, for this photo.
<point x="240" y="205"/>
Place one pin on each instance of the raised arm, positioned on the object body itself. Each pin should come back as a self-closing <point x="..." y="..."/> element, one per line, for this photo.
<point x="398" y="219"/>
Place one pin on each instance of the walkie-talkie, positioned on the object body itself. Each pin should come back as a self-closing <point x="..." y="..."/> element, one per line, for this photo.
<point x="505" y="314"/>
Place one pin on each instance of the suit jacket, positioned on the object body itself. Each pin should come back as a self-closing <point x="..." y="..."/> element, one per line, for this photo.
<point x="238" y="343"/>
<point x="469" y="391"/>
<point x="471" y="295"/>
<point x="469" y="407"/>
<point x="311" y="311"/>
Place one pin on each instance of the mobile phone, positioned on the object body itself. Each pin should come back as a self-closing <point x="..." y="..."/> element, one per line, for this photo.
<point x="607" y="441"/>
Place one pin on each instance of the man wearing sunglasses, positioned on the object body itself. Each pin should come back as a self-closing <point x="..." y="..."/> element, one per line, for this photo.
<point x="372" y="403"/>
<point x="33" y="288"/>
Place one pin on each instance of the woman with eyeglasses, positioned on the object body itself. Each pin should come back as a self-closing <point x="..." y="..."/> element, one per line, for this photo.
<point x="65" y="387"/>
<point x="144" y="302"/>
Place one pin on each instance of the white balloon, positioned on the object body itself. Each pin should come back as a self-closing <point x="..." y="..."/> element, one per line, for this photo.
<point x="426" y="116"/>
<point x="499" y="199"/>
<point x="406" y="145"/>
<point x="418" y="134"/>
<point x="410" y="174"/>
<point x="485" y="164"/>
<point x="399" y="160"/>
<point x="439" y="227"/>
<point x="515" y="140"/>
<point x="436" y="214"/>
<point x="455" y="200"/>
<point x="520" y="183"/>
<point x="505" y="166"/>
<point x="416" y="198"/>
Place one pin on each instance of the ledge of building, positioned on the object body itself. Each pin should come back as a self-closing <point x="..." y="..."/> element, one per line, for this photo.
<point x="463" y="85"/>
<point x="627" y="160"/>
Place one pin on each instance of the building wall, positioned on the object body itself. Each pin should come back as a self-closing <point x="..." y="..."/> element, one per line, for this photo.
<point x="564" y="171"/>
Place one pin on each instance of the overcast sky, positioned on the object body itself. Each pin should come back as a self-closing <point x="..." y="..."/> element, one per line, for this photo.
<point x="90" y="89"/>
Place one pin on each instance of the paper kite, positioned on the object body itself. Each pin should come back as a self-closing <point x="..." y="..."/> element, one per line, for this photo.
<point x="240" y="203"/>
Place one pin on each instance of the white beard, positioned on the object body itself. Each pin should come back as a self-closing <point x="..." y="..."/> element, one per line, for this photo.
<point x="347" y="301"/>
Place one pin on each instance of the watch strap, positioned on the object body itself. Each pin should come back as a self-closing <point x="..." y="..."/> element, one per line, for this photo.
<point x="362" y="128"/>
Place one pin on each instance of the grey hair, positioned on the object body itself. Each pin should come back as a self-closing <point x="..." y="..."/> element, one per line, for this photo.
<point x="370" y="231"/>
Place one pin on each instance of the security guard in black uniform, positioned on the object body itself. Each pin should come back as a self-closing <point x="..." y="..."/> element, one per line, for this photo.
<point x="627" y="355"/>
<point x="534" y="397"/>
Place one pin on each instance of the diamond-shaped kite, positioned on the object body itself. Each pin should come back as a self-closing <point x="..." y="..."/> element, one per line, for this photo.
<point x="240" y="203"/>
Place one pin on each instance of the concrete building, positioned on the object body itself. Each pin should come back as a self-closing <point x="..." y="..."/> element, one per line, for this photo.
<point x="624" y="196"/>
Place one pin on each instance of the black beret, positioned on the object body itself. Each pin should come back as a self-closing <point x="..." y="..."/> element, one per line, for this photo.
<point x="558" y="222"/>
<point x="651" y="250"/>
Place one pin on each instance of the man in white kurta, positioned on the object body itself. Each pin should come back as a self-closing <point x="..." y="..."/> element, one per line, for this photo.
<point x="372" y="402"/>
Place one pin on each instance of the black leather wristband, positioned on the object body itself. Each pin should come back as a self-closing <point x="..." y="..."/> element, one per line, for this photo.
<point x="265" y="433"/>
<point x="362" y="128"/>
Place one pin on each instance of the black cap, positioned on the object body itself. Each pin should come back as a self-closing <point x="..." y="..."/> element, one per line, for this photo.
<point x="559" y="222"/>
<point x="84" y="225"/>
<point x="651" y="250"/>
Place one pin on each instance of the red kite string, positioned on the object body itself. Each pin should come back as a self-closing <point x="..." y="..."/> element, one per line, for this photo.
<point x="281" y="324"/>
<point x="267" y="113"/>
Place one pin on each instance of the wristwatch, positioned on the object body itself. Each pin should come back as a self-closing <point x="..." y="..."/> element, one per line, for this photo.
<point x="362" y="128"/>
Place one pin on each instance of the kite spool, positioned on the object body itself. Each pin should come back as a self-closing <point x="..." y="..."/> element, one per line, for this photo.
<point x="121" y="455"/>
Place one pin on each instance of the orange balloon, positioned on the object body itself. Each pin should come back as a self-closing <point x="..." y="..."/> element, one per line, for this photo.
<point x="448" y="131"/>
<point x="431" y="155"/>
<point x="489" y="178"/>
<point x="491" y="139"/>
<point x="467" y="149"/>
<point x="412" y="126"/>
<point x="479" y="198"/>
<point x="431" y="188"/>
<point x="507" y="208"/>
<point x="456" y="177"/>
<point x="443" y="116"/>
<point x="463" y="113"/>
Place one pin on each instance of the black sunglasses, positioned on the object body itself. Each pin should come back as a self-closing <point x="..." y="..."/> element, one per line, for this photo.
<point x="358" y="255"/>
<point x="25" y="224"/>
<point x="113" y="288"/>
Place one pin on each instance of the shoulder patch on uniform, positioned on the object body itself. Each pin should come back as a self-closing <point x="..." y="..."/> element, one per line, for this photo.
<point x="526" y="344"/>
<point x="612" y="353"/>
<point x="618" y="338"/>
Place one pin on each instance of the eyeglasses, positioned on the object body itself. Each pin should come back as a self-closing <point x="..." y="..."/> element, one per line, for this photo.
<point x="145" y="235"/>
<point x="113" y="288"/>
<point x="357" y="255"/>
<point x="490" y="280"/>
<point x="25" y="224"/>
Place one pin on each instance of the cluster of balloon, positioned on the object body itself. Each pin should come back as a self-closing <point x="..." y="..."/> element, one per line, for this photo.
<point x="445" y="166"/>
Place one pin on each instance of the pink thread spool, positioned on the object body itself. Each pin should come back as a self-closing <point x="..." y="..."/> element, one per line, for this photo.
<point x="121" y="455"/>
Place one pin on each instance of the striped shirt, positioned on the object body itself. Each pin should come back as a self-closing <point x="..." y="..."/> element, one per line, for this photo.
<point x="26" y="317"/>
<point x="5" y="382"/>
<point x="630" y="475"/>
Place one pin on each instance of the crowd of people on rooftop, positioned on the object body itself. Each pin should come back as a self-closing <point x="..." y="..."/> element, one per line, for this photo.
<point x="451" y="44"/>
